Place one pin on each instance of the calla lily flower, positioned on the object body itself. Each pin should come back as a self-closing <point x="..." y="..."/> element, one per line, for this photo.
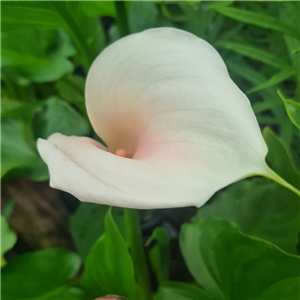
<point x="177" y="128"/>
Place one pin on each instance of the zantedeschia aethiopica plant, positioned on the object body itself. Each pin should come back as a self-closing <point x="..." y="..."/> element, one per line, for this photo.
<point x="177" y="127"/>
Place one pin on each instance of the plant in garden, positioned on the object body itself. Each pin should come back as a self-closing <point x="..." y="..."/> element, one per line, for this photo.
<point x="177" y="130"/>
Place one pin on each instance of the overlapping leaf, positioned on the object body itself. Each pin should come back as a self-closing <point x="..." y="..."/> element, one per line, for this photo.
<point x="232" y="265"/>
<point x="109" y="267"/>
<point x="38" y="273"/>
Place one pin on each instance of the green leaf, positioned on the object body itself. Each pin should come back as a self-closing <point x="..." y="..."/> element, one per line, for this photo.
<point x="19" y="15"/>
<point x="159" y="254"/>
<point x="87" y="225"/>
<point x="17" y="147"/>
<point x="243" y="70"/>
<point x="265" y="105"/>
<point x="254" y="53"/>
<point x="266" y="120"/>
<point x="94" y="36"/>
<point x="196" y="22"/>
<point x="275" y="79"/>
<point x="24" y="111"/>
<point x="166" y="1"/>
<point x="40" y="56"/>
<point x="99" y="8"/>
<point x="172" y="12"/>
<point x="192" y="2"/>
<point x="232" y="265"/>
<point x="285" y="288"/>
<point x="64" y="293"/>
<point x="142" y="15"/>
<point x="16" y="15"/>
<point x="279" y="158"/>
<point x="58" y="116"/>
<point x="292" y="108"/>
<point x="260" y="208"/>
<point x="38" y="273"/>
<point x="286" y="130"/>
<point x="181" y="291"/>
<point x="8" y="236"/>
<point x="293" y="111"/>
<point x="71" y="89"/>
<point x="8" y="104"/>
<point x="219" y="4"/>
<point x="134" y="239"/>
<point x="74" y="7"/>
<point x="289" y="13"/>
<point x="38" y="172"/>
<point x="297" y="49"/>
<point x="109" y="267"/>
<point x="257" y="19"/>
<point x="8" y="208"/>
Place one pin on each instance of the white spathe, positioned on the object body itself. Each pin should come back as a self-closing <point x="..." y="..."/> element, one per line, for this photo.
<point x="165" y="97"/>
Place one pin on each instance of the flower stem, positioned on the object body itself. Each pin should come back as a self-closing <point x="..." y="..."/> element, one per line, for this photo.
<point x="274" y="176"/>
<point x="122" y="21"/>
<point x="135" y="243"/>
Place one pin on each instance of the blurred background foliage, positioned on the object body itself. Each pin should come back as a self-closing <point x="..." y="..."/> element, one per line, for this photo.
<point x="46" y="51"/>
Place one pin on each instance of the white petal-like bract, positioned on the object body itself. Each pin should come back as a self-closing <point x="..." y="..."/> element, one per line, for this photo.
<point x="165" y="97"/>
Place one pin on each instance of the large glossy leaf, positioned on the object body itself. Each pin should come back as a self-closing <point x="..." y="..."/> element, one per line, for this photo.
<point x="58" y="116"/>
<point x="41" y="56"/>
<point x="232" y="265"/>
<point x="260" y="208"/>
<point x="87" y="225"/>
<point x="279" y="158"/>
<point x="181" y="291"/>
<point x="109" y="267"/>
<point x="35" y="274"/>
